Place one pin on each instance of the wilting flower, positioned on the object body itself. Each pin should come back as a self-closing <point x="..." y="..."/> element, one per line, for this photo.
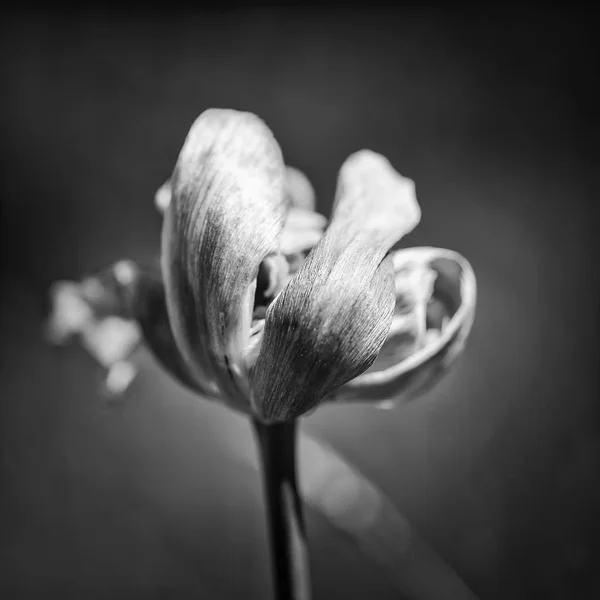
<point x="258" y="304"/>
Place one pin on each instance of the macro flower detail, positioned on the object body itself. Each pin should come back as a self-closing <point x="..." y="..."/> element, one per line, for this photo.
<point x="261" y="303"/>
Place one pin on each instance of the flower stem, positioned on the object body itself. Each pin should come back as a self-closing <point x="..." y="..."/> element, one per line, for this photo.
<point x="289" y="552"/>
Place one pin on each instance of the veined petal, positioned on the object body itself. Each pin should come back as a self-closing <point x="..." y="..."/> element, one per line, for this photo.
<point x="226" y="213"/>
<point x="297" y="188"/>
<point x="329" y="323"/>
<point x="303" y="226"/>
<point x="431" y="341"/>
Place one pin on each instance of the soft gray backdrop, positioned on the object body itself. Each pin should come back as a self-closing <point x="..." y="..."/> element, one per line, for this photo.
<point x="497" y="466"/>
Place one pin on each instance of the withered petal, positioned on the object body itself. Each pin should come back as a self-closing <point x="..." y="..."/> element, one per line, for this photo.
<point x="226" y="213"/>
<point x="449" y="319"/>
<point x="329" y="323"/>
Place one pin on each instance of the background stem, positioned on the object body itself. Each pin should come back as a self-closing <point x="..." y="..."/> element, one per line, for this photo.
<point x="289" y="552"/>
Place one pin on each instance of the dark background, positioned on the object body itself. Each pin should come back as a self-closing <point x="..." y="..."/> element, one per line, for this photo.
<point x="489" y="112"/>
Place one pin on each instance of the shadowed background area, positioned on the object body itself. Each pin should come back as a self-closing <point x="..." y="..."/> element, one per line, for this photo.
<point x="497" y="467"/>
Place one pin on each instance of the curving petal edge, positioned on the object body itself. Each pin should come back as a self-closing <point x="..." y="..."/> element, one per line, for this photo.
<point x="329" y="323"/>
<point x="225" y="216"/>
<point x="455" y="286"/>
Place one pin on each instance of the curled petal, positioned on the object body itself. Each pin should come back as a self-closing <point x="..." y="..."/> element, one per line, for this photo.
<point x="329" y="323"/>
<point x="225" y="217"/>
<point x="429" y="334"/>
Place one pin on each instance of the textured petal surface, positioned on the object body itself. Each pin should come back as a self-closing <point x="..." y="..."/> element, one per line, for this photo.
<point x="226" y="214"/>
<point x="303" y="226"/>
<point x="433" y="320"/>
<point x="330" y="322"/>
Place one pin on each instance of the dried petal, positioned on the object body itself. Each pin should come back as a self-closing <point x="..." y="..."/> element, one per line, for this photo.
<point x="448" y="319"/>
<point x="414" y="284"/>
<point x="329" y="323"/>
<point x="225" y="216"/>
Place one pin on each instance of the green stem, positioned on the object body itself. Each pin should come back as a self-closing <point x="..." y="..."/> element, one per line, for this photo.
<point x="289" y="552"/>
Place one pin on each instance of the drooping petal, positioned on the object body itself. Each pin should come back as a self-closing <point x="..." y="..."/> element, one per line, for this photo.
<point x="226" y="214"/>
<point x="429" y="342"/>
<point x="329" y="323"/>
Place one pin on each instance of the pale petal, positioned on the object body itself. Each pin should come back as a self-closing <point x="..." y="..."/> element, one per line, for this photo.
<point x="303" y="226"/>
<point x="330" y="322"/>
<point x="111" y="339"/>
<point x="303" y="229"/>
<point x="298" y="189"/>
<point x="448" y="321"/>
<point x="225" y="217"/>
<point x="119" y="377"/>
<point x="414" y="285"/>
<point x="69" y="312"/>
<point x="162" y="198"/>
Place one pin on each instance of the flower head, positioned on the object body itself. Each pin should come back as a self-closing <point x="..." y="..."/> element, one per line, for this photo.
<point x="261" y="305"/>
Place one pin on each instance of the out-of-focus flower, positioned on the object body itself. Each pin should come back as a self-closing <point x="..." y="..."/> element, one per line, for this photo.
<point x="257" y="304"/>
<point x="93" y="311"/>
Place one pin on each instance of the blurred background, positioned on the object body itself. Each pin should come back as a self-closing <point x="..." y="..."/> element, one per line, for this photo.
<point x="489" y="112"/>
